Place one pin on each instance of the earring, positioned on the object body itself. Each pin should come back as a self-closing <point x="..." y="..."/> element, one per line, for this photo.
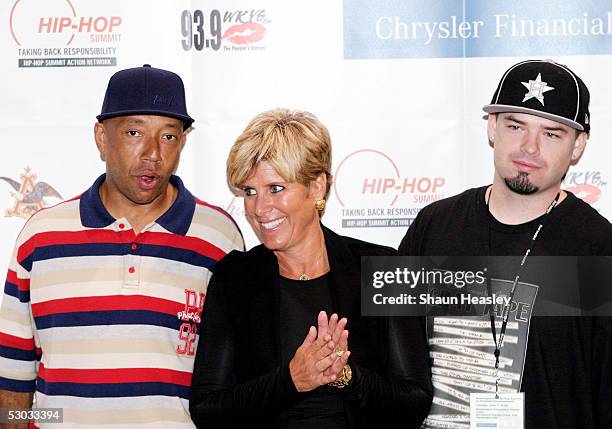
<point x="320" y="205"/>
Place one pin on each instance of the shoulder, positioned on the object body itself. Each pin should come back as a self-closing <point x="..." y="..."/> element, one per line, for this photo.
<point x="216" y="224"/>
<point x="587" y="214"/>
<point x="442" y="219"/>
<point x="365" y="248"/>
<point x="345" y="249"/>
<point x="205" y="207"/>
<point x="460" y="202"/>
<point x="458" y="211"/>
<point x="237" y="262"/>
<point x="586" y="224"/>
<point x="63" y="216"/>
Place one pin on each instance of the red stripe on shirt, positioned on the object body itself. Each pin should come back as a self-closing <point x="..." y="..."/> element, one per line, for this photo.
<point x="115" y="375"/>
<point x="106" y="303"/>
<point x="73" y="237"/>
<point x="11" y="277"/>
<point x="93" y="236"/>
<point x="22" y="284"/>
<point x="16" y="342"/>
<point x="194" y="244"/>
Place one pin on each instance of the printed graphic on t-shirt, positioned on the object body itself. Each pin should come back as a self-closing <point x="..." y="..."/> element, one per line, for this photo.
<point x="191" y="317"/>
<point x="462" y="350"/>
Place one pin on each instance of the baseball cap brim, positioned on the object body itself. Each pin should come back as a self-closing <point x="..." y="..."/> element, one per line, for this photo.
<point x="187" y="120"/>
<point x="505" y="108"/>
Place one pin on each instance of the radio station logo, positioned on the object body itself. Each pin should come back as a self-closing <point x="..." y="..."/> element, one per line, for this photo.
<point x="51" y="33"/>
<point x="30" y="195"/>
<point x="586" y="185"/>
<point x="225" y="30"/>
<point x="372" y="191"/>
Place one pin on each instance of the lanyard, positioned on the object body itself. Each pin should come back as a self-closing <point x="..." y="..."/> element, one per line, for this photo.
<point x="506" y="310"/>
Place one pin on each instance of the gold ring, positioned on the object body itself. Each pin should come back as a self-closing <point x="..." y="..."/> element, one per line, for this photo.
<point x="339" y="353"/>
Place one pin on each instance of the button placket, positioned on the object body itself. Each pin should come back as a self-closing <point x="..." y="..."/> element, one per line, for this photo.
<point x="131" y="271"/>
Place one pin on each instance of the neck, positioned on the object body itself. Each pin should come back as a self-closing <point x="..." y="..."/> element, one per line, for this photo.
<point x="511" y="208"/>
<point x="310" y="259"/>
<point x="138" y="215"/>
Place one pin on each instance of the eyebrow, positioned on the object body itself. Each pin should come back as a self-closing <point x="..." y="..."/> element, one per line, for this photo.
<point x="135" y="121"/>
<point x="513" y="119"/>
<point x="142" y="121"/>
<point x="559" y="128"/>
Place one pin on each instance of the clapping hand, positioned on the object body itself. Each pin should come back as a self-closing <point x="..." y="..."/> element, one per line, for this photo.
<point x="322" y="354"/>
<point x="339" y="338"/>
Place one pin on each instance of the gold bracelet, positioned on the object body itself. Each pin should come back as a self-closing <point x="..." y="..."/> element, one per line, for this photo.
<point x="345" y="377"/>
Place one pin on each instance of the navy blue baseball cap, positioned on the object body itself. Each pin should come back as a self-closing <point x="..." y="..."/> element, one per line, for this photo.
<point x="145" y="91"/>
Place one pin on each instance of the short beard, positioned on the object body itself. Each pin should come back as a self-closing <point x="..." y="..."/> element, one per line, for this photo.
<point x="521" y="184"/>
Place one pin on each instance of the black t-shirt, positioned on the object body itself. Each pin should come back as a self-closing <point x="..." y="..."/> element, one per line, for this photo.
<point x="568" y="366"/>
<point x="300" y="303"/>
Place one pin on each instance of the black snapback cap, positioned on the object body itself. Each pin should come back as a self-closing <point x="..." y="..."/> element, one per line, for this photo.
<point x="543" y="88"/>
<point x="145" y="91"/>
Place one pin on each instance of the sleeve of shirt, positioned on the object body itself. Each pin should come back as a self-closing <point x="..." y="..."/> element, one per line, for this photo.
<point x="218" y="399"/>
<point x="401" y="388"/>
<point x="238" y="241"/>
<point x="18" y="356"/>
<point x="410" y="244"/>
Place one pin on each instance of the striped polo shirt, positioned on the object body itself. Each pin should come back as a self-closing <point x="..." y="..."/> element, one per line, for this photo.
<point x="105" y="323"/>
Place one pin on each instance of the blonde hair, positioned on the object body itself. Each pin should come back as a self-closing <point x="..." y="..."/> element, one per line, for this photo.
<point x="296" y="143"/>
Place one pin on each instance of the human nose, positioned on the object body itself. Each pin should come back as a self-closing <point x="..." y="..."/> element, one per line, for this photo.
<point x="531" y="143"/>
<point x="152" y="150"/>
<point x="263" y="204"/>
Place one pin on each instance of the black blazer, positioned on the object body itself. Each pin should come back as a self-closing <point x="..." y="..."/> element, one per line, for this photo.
<point x="238" y="378"/>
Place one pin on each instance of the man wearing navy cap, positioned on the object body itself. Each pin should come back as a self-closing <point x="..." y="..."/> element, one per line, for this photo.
<point x="538" y="125"/>
<point x="104" y="295"/>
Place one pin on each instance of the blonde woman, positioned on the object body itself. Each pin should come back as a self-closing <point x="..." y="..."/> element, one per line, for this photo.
<point x="274" y="349"/>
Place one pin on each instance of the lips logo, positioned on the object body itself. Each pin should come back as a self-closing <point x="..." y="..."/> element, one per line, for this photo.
<point x="588" y="193"/>
<point x="242" y="34"/>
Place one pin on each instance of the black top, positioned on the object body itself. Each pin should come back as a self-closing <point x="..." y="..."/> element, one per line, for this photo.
<point x="300" y="303"/>
<point x="239" y="378"/>
<point x="459" y="226"/>
<point x="568" y="367"/>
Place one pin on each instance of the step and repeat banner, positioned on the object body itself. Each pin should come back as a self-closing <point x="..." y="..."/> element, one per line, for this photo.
<point x="399" y="84"/>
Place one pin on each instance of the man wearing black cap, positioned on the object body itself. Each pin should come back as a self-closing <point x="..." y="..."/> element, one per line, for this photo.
<point x="106" y="290"/>
<point x="538" y="125"/>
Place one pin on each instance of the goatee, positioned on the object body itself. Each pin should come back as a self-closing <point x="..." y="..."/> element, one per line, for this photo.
<point x="521" y="184"/>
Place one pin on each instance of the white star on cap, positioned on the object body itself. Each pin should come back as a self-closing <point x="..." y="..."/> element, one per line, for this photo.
<point x="536" y="88"/>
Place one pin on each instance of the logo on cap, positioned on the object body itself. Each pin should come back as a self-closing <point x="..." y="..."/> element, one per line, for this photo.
<point x="161" y="100"/>
<point x="536" y="89"/>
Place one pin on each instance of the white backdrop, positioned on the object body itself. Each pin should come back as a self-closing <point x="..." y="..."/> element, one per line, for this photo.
<point x="399" y="84"/>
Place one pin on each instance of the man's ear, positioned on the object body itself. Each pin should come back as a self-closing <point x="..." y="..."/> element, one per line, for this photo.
<point x="100" y="137"/>
<point x="183" y="137"/>
<point x="579" y="145"/>
<point x="491" y="127"/>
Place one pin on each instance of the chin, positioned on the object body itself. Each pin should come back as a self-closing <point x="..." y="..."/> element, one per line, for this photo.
<point x="272" y="244"/>
<point x="145" y="199"/>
